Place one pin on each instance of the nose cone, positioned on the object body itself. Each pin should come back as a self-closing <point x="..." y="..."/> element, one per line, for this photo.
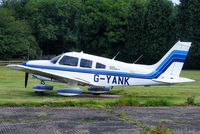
<point x="14" y="66"/>
<point x="11" y="66"/>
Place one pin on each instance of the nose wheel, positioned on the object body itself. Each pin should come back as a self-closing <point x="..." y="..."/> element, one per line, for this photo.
<point x="71" y="90"/>
<point x="42" y="82"/>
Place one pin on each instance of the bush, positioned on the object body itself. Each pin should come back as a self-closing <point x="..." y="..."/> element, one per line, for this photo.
<point x="157" y="102"/>
<point x="157" y="130"/>
<point x="190" y="100"/>
<point x="127" y="101"/>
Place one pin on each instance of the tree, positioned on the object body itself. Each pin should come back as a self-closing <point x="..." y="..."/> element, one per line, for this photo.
<point x="15" y="37"/>
<point x="189" y="20"/>
<point x="159" y="29"/>
<point x="102" y="27"/>
<point x="54" y="24"/>
<point x="135" y="32"/>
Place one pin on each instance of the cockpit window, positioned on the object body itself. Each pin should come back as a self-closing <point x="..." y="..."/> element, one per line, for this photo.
<point x="101" y="66"/>
<point x="68" y="60"/>
<point x="86" y="63"/>
<point x="55" y="59"/>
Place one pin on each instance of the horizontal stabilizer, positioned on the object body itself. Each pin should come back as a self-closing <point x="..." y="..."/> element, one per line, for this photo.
<point x="173" y="81"/>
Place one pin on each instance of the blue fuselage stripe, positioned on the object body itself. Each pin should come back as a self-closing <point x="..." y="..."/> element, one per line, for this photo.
<point x="174" y="56"/>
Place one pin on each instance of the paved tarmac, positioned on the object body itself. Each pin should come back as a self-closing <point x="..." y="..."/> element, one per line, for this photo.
<point x="184" y="120"/>
<point x="83" y="120"/>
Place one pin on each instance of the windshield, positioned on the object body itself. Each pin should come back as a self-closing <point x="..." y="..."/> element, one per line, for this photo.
<point x="55" y="59"/>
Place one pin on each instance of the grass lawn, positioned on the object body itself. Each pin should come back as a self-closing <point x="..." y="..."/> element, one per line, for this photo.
<point x="13" y="93"/>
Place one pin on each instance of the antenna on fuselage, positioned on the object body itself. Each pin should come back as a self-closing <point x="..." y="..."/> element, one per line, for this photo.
<point x="115" y="55"/>
<point x="138" y="59"/>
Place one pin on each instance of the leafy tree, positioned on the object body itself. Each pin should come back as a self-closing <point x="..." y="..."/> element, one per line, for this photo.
<point x="16" y="6"/>
<point x="15" y="37"/>
<point x="159" y="29"/>
<point x="54" y="24"/>
<point x="102" y="26"/>
<point x="189" y="28"/>
<point x="135" y="32"/>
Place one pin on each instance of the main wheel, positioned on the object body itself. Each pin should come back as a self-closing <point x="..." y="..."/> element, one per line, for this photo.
<point x="69" y="92"/>
<point x="98" y="90"/>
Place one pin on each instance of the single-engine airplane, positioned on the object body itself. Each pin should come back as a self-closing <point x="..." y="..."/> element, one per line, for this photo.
<point x="99" y="73"/>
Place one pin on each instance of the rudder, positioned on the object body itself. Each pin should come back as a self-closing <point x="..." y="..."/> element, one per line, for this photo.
<point x="171" y="64"/>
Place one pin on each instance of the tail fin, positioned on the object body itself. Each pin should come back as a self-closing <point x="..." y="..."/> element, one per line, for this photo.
<point x="171" y="64"/>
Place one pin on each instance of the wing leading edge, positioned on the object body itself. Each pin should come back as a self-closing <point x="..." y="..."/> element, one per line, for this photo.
<point x="49" y="74"/>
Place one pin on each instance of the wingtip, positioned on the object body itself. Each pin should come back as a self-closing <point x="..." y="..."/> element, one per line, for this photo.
<point x="11" y="66"/>
<point x="14" y="66"/>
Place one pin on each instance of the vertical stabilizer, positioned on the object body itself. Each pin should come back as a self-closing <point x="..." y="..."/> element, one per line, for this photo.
<point x="171" y="64"/>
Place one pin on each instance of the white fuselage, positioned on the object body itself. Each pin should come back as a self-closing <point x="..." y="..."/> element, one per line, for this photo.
<point x="115" y="73"/>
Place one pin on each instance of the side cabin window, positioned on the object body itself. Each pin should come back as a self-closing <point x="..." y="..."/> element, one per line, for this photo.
<point x="68" y="60"/>
<point x="86" y="63"/>
<point x="100" y="66"/>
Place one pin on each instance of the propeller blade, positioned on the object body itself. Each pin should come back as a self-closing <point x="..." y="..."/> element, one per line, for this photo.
<point x="26" y="79"/>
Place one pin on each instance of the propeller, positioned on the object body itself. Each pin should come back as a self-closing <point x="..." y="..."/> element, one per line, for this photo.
<point x="26" y="79"/>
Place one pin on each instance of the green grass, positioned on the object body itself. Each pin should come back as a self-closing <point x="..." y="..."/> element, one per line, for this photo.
<point x="13" y="93"/>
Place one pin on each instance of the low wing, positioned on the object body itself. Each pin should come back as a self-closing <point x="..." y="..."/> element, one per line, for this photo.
<point x="49" y="74"/>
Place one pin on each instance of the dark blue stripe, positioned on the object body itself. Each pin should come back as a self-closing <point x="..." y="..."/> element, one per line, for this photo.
<point x="163" y="67"/>
<point x="174" y="56"/>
